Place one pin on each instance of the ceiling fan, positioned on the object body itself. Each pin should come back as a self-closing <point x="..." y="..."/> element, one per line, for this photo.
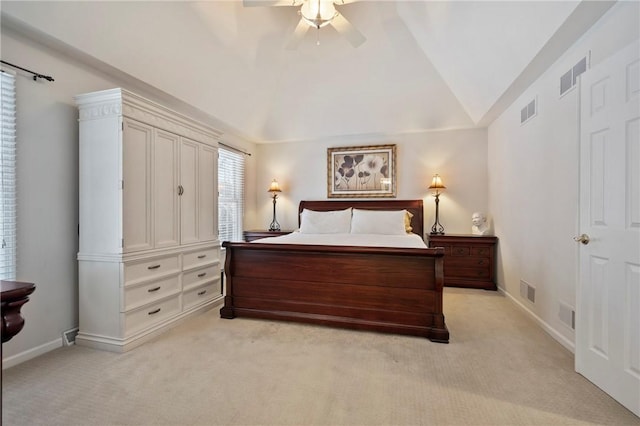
<point x="315" y="14"/>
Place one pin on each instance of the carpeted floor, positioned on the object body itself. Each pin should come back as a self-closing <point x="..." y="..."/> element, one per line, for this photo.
<point x="499" y="369"/>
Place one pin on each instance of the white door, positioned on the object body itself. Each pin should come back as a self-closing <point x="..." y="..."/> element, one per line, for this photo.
<point x="608" y="295"/>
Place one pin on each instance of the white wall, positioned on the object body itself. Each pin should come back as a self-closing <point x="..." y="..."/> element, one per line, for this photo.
<point x="47" y="167"/>
<point x="533" y="179"/>
<point x="459" y="156"/>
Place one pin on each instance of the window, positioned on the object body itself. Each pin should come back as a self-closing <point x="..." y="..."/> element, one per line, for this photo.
<point x="8" y="176"/>
<point x="231" y="194"/>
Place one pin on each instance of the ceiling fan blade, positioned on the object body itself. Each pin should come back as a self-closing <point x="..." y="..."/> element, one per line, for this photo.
<point x="298" y="34"/>
<point x="347" y="30"/>
<point x="253" y="3"/>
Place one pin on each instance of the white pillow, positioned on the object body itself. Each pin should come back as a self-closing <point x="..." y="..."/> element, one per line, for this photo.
<point x="331" y="222"/>
<point x="378" y="222"/>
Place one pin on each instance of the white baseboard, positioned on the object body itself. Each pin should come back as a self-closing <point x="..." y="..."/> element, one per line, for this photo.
<point x="31" y="353"/>
<point x="569" y="345"/>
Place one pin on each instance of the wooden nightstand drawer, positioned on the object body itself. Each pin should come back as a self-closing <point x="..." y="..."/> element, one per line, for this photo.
<point x="481" y="251"/>
<point x="451" y="272"/>
<point x="460" y="251"/>
<point x="469" y="260"/>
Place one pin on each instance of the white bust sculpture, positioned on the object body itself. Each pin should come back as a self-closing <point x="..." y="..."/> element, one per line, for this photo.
<point x="479" y="221"/>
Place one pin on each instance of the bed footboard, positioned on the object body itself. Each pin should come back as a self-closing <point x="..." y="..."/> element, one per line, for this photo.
<point x="391" y="290"/>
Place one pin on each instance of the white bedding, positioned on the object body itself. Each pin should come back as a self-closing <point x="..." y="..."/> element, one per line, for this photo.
<point x="366" y="240"/>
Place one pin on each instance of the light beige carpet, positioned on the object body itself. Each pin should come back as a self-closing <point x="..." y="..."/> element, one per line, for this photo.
<point x="499" y="369"/>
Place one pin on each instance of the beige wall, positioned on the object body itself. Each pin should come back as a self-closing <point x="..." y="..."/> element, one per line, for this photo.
<point x="459" y="156"/>
<point x="533" y="179"/>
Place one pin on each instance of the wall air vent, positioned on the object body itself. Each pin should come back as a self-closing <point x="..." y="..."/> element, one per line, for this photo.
<point x="527" y="291"/>
<point x="529" y="111"/>
<point x="570" y="78"/>
<point x="567" y="315"/>
<point x="69" y="336"/>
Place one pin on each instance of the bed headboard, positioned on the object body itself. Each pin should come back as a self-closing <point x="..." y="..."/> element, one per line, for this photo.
<point x="412" y="206"/>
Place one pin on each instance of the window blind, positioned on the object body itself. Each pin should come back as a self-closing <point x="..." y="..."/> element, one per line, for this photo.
<point x="8" y="175"/>
<point x="231" y="195"/>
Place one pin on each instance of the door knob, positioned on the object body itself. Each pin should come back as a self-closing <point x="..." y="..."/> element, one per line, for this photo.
<point x="584" y="239"/>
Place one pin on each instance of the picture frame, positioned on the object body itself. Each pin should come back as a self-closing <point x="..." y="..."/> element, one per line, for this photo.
<point x="361" y="172"/>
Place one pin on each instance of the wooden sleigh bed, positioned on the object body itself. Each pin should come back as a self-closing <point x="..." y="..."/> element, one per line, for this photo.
<point x="395" y="290"/>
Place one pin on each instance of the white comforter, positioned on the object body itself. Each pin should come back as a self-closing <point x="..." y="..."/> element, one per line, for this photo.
<point x="366" y="240"/>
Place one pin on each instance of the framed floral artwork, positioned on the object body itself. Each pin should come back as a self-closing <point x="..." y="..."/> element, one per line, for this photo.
<point x="361" y="172"/>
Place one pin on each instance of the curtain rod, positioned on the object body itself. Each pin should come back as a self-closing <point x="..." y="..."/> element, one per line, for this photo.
<point x="234" y="149"/>
<point x="36" y="75"/>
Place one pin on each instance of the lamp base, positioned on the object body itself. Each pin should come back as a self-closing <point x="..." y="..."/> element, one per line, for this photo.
<point x="274" y="227"/>
<point x="437" y="228"/>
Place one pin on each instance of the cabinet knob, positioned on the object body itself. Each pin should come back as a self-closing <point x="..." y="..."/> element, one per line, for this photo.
<point x="180" y="190"/>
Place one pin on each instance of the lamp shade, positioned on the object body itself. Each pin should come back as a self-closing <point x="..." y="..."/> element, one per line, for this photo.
<point x="318" y="13"/>
<point x="436" y="184"/>
<point x="274" y="187"/>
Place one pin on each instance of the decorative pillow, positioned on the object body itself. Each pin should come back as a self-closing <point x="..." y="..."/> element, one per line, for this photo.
<point x="378" y="222"/>
<point x="407" y="222"/>
<point x="331" y="222"/>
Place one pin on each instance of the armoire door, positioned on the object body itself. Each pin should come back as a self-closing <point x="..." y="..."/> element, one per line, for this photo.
<point x="208" y="193"/>
<point x="136" y="186"/>
<point x="165" y="189"/>
<point x="188" y="191"/>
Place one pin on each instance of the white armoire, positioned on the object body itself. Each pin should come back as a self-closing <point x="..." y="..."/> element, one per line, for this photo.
<point x="149" y="254"/>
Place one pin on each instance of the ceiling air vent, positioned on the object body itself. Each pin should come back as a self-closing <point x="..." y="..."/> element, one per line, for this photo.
<point x="570" y="78"/>
<point x="528" y="111"/>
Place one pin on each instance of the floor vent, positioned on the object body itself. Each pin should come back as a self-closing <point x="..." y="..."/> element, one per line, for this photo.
<point x="567" y="315"/>
<point x="527" y="291"/>
<point x="69" y="336"/>
<point x="570" y="78"/>
<point x="529" y="111"/>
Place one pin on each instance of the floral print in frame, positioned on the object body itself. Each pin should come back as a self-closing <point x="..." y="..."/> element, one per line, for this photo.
<point x="361" y="172"/>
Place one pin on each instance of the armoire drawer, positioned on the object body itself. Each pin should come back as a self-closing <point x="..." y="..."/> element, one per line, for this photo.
<point x="200" y="276"/>
<point x="151" y="314"/>
<point x="139" y="271"/>
<point x="139" y="295"/>
<point x="200" y="295"/>
<point x="201" y="257"/>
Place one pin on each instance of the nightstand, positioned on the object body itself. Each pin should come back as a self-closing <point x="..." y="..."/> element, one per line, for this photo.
<point x="257" y="234"/>
<point x="469" y="260"/>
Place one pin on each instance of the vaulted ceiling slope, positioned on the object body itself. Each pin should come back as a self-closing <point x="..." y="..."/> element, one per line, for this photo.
<point x="424" y="66"/>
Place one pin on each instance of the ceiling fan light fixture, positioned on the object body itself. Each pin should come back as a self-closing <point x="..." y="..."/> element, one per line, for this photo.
<point x="318" y="13"/>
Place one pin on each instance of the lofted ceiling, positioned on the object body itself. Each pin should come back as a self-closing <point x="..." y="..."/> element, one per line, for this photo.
<point x="426" y="65"/>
